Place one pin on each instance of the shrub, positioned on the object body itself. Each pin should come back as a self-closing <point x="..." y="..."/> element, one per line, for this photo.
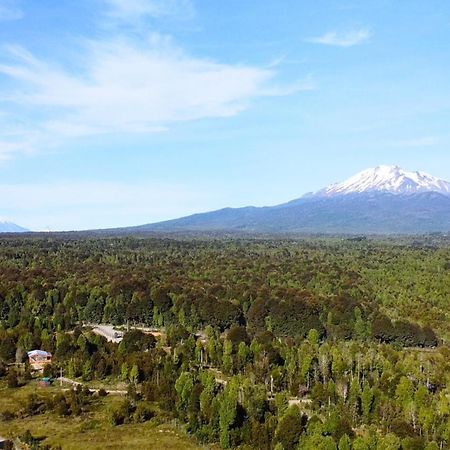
<point x="6" y="415"/>
<point x="122" y="413"/>
<point x="143" y="413"/>
<point x="102" y="393"/>
<point x="289" y="429"/>
<point x="11" y="379"/>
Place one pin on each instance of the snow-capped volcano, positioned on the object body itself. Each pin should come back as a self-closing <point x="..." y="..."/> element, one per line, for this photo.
<point x="390" y="179"/>
<point x="385" y="199"/>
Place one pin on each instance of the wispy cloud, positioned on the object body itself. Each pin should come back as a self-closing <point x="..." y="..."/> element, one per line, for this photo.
<point x="15" y="140"/>
<point x="124" y="82"/>
<point x="132" y="10"/>
<point x="10" y="10"/>
<point x="128" y="88"/>
<point x="10" y="148"/>
<point x="123" y="86"/>
<point x="344" y="39"/>
<point x="426" y="141"/>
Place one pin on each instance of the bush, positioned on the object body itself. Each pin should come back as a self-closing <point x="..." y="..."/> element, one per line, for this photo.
<point x="50" y="371"/>
<point x="29" y="439"/>
<point x="137" y="341"/>
<point x="220" y="313"/>
<point x="289" y="429"/>
<point x="116" y="418"/>
<point x="32" y="405"/>
<point x="237" y="334"/>
<point x="6" y="415"/>
<point x="143" y="413"/>
<point x="122" y="414"/>
<point x="11" y="379"/>
<point x="61" y="406"/>
<point x="2" y="369"/>
<point x="102" y="393"/>
<point x="149" y="391"/>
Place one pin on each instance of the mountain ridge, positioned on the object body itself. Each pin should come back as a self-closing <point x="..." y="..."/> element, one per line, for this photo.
<point x="380" y="200"/>
<point x="383" y="200"/>
<point x="379" y="213"/>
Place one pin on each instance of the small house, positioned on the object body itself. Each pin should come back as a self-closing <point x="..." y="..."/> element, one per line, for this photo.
<point x="38" y="359"/>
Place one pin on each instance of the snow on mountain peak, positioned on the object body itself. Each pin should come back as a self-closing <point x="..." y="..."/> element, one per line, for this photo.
<point x="391" y="179"/>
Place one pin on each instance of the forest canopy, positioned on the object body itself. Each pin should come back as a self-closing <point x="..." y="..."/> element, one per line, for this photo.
<point x="271" y="343"/>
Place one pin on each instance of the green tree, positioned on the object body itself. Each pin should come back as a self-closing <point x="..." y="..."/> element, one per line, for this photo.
<point x="134" y="374"/>
<point x="227" y="413"/>
<point x="289" y="429"/>
<point x="183" y="386"/>
<point x="227" y="361"/>
<point x="124" y="371"/>
<point x="360" y="328"/>
<point x="367" y="398"/>
<point x="345" y="443"/>
<point x="389" y="442"/>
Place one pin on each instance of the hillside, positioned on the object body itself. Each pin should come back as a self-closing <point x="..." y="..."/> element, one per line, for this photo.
<point x="9" y="227"/>
<point x="382" y="200"/>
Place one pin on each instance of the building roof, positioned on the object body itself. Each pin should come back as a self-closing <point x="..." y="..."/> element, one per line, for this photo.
<point x="41" y="353"/>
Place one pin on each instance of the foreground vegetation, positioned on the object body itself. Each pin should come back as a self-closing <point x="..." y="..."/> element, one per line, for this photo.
<point x="90" y="431"/>
<point x="324" y="343"/>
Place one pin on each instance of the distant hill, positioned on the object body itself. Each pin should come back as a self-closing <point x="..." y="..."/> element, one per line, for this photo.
<point x="385" y="199"/>
<point x="357" y="213"/>
<point x="9" y="227"/>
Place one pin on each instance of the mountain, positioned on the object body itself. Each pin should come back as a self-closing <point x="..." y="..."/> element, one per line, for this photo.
<point x="391" y="179"/>
<point x="9" y="227"/>
<point x="385" y="199"/>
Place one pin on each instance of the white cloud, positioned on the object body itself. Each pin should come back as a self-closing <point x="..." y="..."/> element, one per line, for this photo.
<point x="10" y="147"/>
<point x="125" y="87"/>
<point x="10" y="10"/>
<point x="426" y="141"/>
<point x="136" y="83"/>
<point x="346" y="39"/>
<point x="133" y="10"/>
<point x="15" y="137"/>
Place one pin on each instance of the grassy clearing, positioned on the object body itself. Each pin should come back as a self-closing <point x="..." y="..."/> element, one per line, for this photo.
<point x="91" y="431"/>
<point x="90" y="434"/>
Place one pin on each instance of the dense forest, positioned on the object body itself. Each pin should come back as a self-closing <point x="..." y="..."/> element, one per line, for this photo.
<point x="324" y="343"/>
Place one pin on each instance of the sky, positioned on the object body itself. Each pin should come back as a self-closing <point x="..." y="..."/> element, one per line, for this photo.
<point x="125" y="112"/>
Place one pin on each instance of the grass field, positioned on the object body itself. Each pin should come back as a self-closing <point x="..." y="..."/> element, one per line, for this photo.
<point x="91" y="431"/>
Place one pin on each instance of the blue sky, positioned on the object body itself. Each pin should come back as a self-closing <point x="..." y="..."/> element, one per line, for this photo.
<point x="123" y="112"/>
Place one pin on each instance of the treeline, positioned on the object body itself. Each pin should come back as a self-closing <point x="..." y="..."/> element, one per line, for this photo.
<point x="284" y="287"/>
